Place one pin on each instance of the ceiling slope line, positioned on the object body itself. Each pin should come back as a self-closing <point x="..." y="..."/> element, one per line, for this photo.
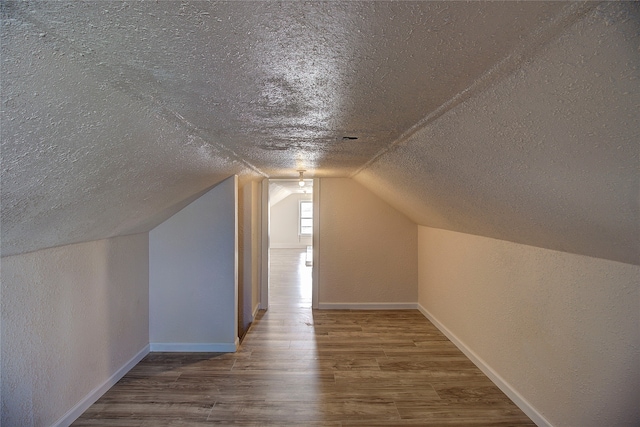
<point x="500" y="71"/>
<point x="196" y="131"/>
<point x="101" y="70"/>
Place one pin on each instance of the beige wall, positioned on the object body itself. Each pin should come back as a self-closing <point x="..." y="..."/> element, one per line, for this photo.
<point x="256" y="246"/>
<point x="367" y="250"/>
<point x="283" y="228"/>
<point x="248" y="253"/>
<point x="72" y="317"/>
<point x="562" y="330"/>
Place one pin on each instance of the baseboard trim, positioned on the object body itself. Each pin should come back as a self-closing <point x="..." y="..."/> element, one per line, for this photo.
<point x="506" y="388"/>
<point x="180" y="347"/>
<point x="95" y="394"/>
<point x="255" y="311"/>
<point x="368" y="306"/>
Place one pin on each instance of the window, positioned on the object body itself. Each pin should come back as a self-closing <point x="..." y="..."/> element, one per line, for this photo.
<point x="306" y="218"/>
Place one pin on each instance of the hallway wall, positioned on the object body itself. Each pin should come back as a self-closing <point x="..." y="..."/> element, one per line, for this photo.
<point x="193" y="298"/>
<point x="562" y="330"/>
<point x="249" y="252"/>
<point x="367" y="253"/>
<point x="74" y="319"/>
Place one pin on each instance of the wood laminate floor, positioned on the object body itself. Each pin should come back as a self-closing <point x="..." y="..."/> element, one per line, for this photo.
<point x="298" y="367"/>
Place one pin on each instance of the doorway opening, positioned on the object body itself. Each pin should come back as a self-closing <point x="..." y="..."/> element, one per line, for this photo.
<point x="290" y="244"/>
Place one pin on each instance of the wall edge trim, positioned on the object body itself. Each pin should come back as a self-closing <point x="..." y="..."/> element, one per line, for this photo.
<point x="368" y="306"/>
<point x="503" y="385"/>
<point x="95" y="394"/>
<point x="185" y="347"/>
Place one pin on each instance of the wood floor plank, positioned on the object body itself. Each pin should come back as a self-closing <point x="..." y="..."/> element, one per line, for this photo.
<point x="461" y="413"/>
<point x="86" y="421"/>
<point x="153" y="410"/>
<point x="303" y="367"/>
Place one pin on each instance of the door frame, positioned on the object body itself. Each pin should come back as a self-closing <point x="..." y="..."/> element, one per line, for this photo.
<point x="264" y="243"/>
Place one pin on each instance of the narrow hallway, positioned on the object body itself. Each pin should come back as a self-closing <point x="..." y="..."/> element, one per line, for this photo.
<point x="304" y="367"/>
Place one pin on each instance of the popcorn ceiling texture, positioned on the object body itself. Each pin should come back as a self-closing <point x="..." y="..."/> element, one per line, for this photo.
<point x="513" y="120"/>
<point x="81" y="159"/>
<point x="115" y="113"/>
<point x="547" y="157"/>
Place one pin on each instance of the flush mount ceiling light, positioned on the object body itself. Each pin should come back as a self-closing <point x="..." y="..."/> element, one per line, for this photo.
<point x="301" y="182"/>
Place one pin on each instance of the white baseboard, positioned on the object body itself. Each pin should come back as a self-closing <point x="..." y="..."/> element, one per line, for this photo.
<point x="506" y="388"/>
<point x="180" y="347"/>
<point x="97" y="392"/>
<point x="368" y="306"/>
<point x="288" y="246"/>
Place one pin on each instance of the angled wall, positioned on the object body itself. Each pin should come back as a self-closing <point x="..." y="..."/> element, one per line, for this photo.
<point x="193" y="292"/>
<point x="548" y="156"/>
<point x="561" y="331"/>
<point x="544" y="158"/>
<point x="75" y="318"/>
<point x="88" y="154"/>
<point x="367" y="252"/>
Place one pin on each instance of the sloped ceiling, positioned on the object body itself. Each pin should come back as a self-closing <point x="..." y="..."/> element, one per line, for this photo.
<point x="280" y="189"/>
<point x="549" y="156"/>
<point x="115" y="114"/>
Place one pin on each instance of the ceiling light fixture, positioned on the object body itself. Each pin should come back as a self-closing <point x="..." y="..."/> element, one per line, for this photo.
<point x="301" y="182"/>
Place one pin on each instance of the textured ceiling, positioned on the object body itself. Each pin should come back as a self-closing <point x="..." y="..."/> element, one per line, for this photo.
<point x="549" y="156"/>
<point x="115" y="114"/>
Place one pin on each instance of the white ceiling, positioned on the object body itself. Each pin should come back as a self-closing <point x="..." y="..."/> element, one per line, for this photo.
<point x="280" y="189"/>
<point x="116" y="114"/>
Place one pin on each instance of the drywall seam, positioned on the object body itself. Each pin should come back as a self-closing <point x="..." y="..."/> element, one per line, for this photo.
<point x="97" y="392"/>
<point x="506" y="388"/>
<point x="501" y="70"/>
<point x="181" y="347"/>
<point x="31" y="251"/>
<point x="368" y="306"/>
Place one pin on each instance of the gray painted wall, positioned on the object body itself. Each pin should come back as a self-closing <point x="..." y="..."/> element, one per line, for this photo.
<point x="193" y="300"/>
